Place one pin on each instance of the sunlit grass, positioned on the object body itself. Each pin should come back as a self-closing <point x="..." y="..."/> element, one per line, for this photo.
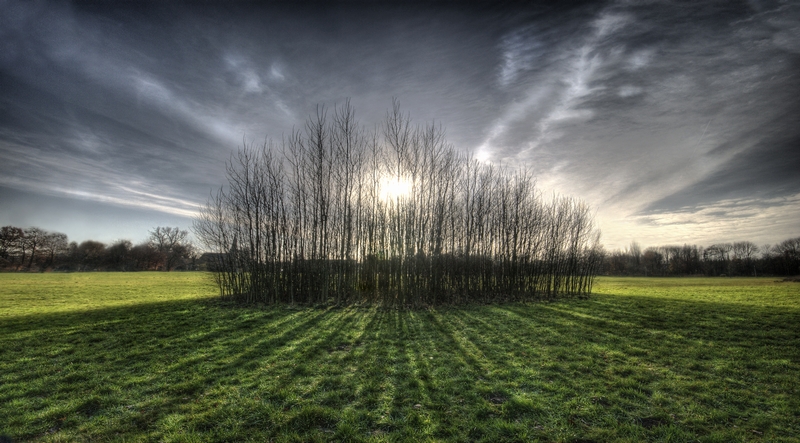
<point x="155" y="357"/>
<point x="22" y="294"/>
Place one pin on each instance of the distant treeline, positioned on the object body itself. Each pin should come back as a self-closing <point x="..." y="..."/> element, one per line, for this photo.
<point x="34" y="249"/>
<point x="722" y="259"/>
<point x="394" y="216"/>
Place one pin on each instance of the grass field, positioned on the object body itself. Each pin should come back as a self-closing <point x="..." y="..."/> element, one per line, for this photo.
<point x="155" y="357"/>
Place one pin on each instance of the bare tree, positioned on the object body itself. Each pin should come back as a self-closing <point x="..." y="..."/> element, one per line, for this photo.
<point x="33" y="239"/>
<point x="11" y="245"/>
<point x="731" y="259"/>
<point x="744" y="253"/>
<point x="90" y="255"/>
<point x="395" y="216"/>
<point x="173" y="244"/>
<point x="118" y="256"/>
<point x="53" y="246"/>
<point x="145" y="257"/>
<point x="789" y="253"/>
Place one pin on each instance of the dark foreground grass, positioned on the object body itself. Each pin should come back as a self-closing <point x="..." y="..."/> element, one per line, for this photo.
<point x="154" y="357"/>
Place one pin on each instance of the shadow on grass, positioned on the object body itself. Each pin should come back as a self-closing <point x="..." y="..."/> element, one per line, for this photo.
<point x="607" y="368"/>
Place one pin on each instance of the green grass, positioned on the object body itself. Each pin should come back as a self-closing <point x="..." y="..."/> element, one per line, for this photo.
<point x="155" y="357"/>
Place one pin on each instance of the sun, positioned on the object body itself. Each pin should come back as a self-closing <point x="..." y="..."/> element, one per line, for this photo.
<point x="394" y="188"/>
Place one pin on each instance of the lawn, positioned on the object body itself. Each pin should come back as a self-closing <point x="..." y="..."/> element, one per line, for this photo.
<point x="156" y="357"/>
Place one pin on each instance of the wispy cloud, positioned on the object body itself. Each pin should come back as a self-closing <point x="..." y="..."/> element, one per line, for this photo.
<point x="555" y="95"/>
<point x="89" y="179"/>
<point x="760" y="220"/>
<point x="643" y="109"/>
<point x="653" y="108"/>
<point x="521" y="51"/>
<point x="148" y="88"/>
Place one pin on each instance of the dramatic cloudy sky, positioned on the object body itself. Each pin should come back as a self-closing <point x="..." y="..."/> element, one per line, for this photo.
<point x="679" y="122"/>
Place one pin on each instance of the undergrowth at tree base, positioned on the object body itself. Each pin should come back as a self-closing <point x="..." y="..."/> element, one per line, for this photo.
<point x="244" y="302"/>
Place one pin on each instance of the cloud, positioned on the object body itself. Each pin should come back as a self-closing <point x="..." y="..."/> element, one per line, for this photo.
<point x="520" y="50"/>
<point x="245" y="75"/>
<point x="642" y="109"/>
<point x="640" y="59"/>
<point x="276" y="72"/>
<point x="767" y="170"/>
<point x="609" y="23"/>
<point x="753" y="219"/>
<point x="555" y="97"/>
<point x="87" y="179"/>
<point x="630" y="91"/>
<point x="658" y="109"/>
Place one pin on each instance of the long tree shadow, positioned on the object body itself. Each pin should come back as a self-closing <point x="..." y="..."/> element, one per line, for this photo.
<point x="671" y="355"/>
<point x="174" y="370"/>
<point x="137" y="364"/>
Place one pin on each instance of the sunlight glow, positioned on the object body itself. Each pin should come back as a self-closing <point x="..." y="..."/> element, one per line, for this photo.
<point x="393" y="188"/>
<point x="483" y="155"/>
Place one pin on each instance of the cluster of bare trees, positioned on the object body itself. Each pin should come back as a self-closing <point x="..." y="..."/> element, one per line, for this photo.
<point x="396" y="216"/>
<point x="35" y="249"/>
<point x="24" y="248"/>
<point x="742" y="258"/>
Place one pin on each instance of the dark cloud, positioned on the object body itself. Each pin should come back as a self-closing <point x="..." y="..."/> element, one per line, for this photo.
<point x="768" y="170"/>
<point x="642" y="108"/>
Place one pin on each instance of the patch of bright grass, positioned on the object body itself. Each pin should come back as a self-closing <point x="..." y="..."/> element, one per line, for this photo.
<point x="156" y="357"/>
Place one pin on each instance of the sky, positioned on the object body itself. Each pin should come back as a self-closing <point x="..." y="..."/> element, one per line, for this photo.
<point x="678" y="122"/>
